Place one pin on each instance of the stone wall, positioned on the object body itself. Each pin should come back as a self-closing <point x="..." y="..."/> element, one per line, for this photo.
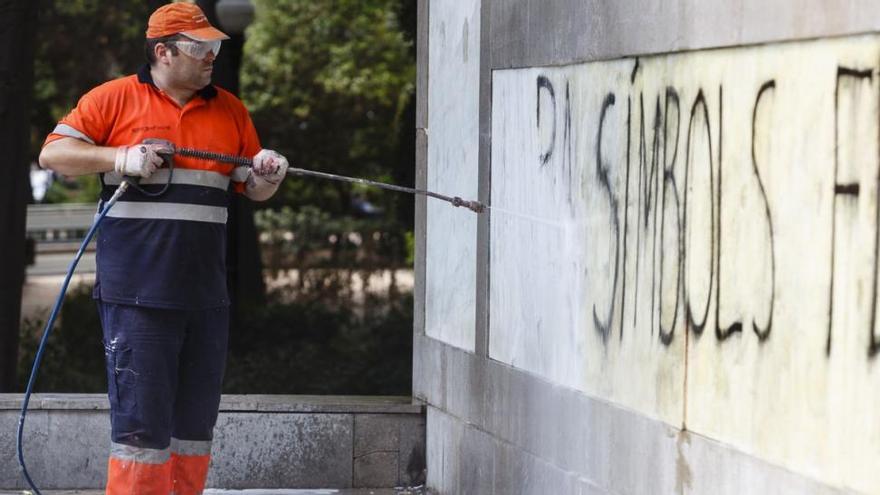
<point x="675" y="287"/>
<point x="261" y="441"/>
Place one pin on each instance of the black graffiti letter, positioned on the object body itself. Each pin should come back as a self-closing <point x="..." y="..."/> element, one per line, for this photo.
<point x="847" y="190"/>
<point x="626" y="217"/>
<point x="666" y="335"/>
<point x="648" y="190"/>
<point x="723" y="334"/>
<point x="545" y="83"/>
<point x="604" y="327"/>
<point x="567" y="162"/>
<point x="700" y="102"/>
<point x="763" y="333"/>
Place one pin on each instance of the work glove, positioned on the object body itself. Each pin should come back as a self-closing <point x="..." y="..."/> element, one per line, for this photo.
<point x="141" y="159"/>
<point x="266" y="173"/>
<point x="269" y="166"/>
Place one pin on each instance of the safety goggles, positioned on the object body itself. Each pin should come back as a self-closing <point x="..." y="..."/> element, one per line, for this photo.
<point x="198" y="49"/>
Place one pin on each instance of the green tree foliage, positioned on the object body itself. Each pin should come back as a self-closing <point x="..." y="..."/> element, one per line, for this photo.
<point x="330" y="83"/>
<point x="309" y="340"/>
<point x="327" y="82"/>
<point x="81" y="44"/>
<point x="321" y="343"/>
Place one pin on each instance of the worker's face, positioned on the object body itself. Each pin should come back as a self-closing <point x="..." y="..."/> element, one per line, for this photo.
<point x="188" y="72"/>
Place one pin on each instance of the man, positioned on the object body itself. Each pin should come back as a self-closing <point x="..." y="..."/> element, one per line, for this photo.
<point x="161" y="282"/>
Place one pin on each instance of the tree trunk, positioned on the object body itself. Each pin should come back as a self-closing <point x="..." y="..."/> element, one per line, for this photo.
<point x="243" y="265"/>
<point x="17" y="30"/>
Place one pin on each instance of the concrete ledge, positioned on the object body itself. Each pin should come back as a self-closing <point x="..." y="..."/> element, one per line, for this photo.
<point x="261" y="441"/>
<point x="240" y="403"/>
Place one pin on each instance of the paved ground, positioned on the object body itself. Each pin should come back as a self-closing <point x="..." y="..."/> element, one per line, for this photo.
<point x="39" y="293"/>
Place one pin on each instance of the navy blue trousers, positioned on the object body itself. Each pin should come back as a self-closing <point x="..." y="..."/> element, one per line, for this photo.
<point x="164" y="372"/>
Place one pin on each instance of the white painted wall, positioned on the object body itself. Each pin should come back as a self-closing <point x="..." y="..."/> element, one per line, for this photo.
<point x="453" y="139"/>
<point x="596" y="262"/>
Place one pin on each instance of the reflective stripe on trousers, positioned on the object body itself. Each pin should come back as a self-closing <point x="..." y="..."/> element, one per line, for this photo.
<point x="180" y="469"/>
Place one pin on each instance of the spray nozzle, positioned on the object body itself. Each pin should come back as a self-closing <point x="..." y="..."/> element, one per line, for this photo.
<point x="474" y="206"/>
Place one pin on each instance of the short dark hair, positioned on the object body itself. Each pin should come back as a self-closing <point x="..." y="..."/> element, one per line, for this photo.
<point x="150" y="46"/>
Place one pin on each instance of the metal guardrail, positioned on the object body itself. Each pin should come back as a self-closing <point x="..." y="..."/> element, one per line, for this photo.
<point x="59" y="223"/>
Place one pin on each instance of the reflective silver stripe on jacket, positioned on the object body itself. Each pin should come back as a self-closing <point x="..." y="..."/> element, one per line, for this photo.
<point x="181" y="176"/>
<point x="139" y="454"/>
<point x="66" y="130"/>
<point x="240" y="174"/>
<point x="168" y="211"/>
<point x="190" y="447"/>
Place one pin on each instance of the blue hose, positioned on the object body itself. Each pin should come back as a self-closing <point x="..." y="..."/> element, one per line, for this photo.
<point x="42" y="347"/>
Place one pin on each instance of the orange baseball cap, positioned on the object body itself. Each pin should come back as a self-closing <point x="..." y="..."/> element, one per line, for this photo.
<point x="183" y="18"/>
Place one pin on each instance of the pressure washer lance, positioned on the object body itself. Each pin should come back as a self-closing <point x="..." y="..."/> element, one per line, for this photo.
<point x="241" y="161"/>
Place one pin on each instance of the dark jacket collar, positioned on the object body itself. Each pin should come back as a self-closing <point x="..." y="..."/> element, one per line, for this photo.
<point x="144" y="77"/>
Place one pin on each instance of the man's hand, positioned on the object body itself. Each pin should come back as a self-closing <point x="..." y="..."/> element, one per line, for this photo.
<point x="141" y="159"/>
<point x="270" y="166"/>
<point x="269" y="169"/>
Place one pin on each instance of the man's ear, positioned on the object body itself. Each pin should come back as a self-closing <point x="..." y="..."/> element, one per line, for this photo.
<point x="161" y="51"/>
